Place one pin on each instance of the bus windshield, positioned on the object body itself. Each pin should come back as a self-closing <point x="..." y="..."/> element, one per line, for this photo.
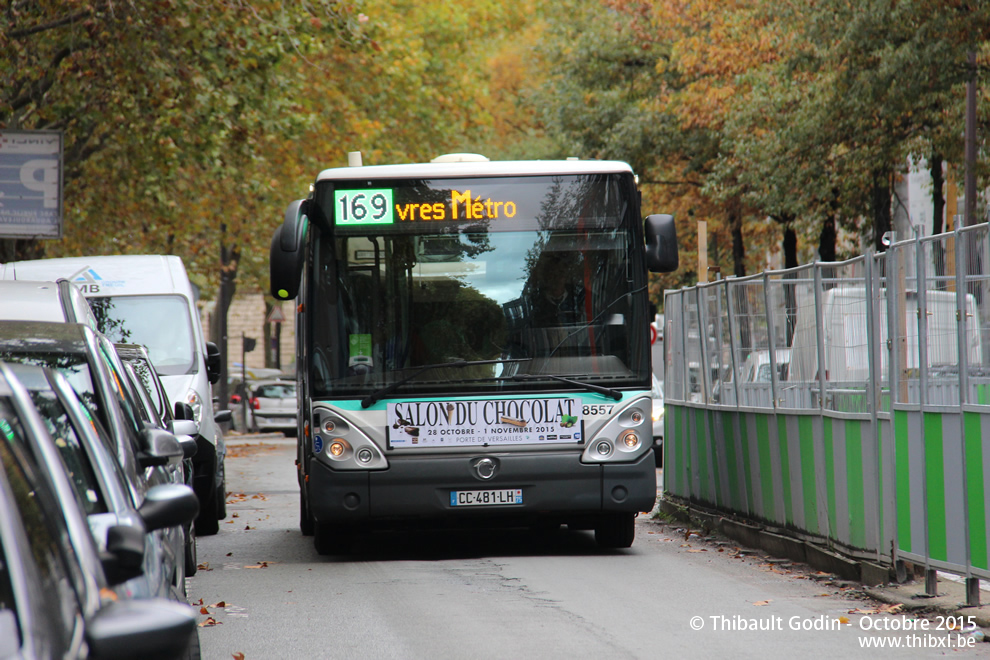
<point x="530" y="273"/>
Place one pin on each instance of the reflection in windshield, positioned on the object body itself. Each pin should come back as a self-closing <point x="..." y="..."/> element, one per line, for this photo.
<point x="74" y="367"/>
<point x="553" y="300"/>
<point x="161" y="323"/>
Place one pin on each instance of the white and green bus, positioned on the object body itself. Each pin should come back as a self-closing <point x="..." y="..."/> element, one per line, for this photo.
<point x="473" y="345"/>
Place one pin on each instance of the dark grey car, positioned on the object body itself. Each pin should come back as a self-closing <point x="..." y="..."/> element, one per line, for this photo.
<point x="90" y="363"/>
<point x="53" y="580"/>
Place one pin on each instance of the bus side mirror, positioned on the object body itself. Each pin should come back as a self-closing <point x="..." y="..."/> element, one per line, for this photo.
<point x="286" y="255"/>
<point x="661" y="243"/>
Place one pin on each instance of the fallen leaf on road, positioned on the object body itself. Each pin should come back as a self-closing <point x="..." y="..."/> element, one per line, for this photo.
<point x="697" y="549"/>
<point x="247" y="527"/>
<point x="221" y="603"/>
<point x="260" y="564"/>
<point x="844" y="620"/>
<point x="238" y="656"/>
<point x="205" y="566"/>
<point x="203" y="610"/>
<point x="761" y="603"/>
<point x="210" y="621"/>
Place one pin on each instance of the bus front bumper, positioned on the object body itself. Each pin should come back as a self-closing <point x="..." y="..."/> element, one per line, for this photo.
<point x="419" y="488"/>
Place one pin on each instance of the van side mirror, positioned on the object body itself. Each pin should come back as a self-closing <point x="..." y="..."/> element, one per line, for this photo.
<point x="184" y="411"/>
<point x="286" y="252"/>
<point x="661" y="243"/>
<point x="213" y="363"/>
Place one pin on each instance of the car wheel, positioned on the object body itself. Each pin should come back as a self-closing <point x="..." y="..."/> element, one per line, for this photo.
<point x="193" y="652"/>
<point x="332" y="539"/>
<point x="616" y="530"/>
<point x="305" y="519"/>
<point x="190" y="554"/>
<point x="207" y="523"/>
<point x="222" y="500"/>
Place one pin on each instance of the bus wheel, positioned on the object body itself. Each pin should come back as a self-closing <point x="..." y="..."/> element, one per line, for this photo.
<point x="616" y="530"/>
<point x="332" y="539"/>
<point x="305" y="520"/>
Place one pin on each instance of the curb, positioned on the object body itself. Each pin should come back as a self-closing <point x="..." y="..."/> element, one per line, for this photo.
<point x="877" y="580"/>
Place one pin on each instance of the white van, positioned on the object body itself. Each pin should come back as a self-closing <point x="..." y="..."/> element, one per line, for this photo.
<point x="846" y="349"/>
<point x="148" y="299"/>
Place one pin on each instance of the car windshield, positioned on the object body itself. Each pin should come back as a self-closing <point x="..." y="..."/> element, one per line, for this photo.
<point x="276" y="391"/>
<point x="161" y="323"/>
<point x="73" y="366"/>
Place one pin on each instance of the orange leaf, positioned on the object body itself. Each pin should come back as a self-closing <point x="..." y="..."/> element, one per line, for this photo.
<point x="238" y="656"/>
<point x="761" y="603"/>
<point x="219" y="604"/>
<point x="203" y="610"/>
<point x="844" y="620"/>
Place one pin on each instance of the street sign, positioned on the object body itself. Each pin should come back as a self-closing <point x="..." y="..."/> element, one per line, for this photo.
<point x="30" y="184"/>
<point x="276" y="315"/>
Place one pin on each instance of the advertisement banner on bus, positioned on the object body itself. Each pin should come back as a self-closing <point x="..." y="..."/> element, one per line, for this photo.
<point x="485" y="422"/>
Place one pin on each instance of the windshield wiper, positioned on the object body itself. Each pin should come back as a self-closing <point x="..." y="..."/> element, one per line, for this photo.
<point x="591" y="387"/>
<point x="374" y="397"/>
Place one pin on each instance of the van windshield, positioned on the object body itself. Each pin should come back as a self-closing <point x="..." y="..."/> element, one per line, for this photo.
<point x="161" y="323"/>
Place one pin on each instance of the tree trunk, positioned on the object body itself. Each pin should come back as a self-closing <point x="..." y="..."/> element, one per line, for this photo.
<point x="738" y="248"/>
<point x="881" y="207"/>
<point x="741" y="302"/>
<point x="229" y="260"/>
<point x="790" y="295"/>
<point x="21" y="249"/>
<point x="826" y="240"/>
<point x="938" y="213"/>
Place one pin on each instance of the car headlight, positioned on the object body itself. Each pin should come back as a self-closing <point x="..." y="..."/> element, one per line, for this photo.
<point x="194" y="400"/>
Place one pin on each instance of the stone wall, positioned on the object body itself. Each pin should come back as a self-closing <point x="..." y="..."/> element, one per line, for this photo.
<point x="246" y="317"/>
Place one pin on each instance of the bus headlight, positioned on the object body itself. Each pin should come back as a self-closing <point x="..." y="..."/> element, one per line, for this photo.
<point x="630" y="439"/>
<point x="337" y="447"/>
<point x="347" y="447"/>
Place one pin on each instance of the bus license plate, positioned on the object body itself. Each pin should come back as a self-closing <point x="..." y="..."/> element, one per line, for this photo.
<point x="486" y="497"/>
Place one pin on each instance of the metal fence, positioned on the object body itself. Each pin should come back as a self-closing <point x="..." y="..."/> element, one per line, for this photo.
<point x="848" y="402"/>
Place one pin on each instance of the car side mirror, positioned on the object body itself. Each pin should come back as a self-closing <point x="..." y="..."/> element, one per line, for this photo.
<point x="158" y="447"/>
<point x="661" y="243"/>
<point x="223" y="416"/>
<point x="168" y="505"/>
<point x="124" y="556"/>
<point x="141" y="628"/>
<point x="213" y="362"/>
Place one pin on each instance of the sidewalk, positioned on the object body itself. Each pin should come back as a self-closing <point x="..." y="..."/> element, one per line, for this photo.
<point x="950" y="601"/>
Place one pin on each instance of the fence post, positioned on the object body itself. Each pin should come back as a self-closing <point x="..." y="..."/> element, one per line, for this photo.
<point x="771" y="340"/>
<point x="820" y="335"/>
<point x="730" y="312"/>
<point x="931" y="576"/>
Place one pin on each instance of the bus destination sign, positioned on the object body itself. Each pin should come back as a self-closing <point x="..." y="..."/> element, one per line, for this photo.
<point x="376" y="207"/>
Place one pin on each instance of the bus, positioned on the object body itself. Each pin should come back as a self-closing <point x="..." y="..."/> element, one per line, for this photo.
<point x="473" y="346"/>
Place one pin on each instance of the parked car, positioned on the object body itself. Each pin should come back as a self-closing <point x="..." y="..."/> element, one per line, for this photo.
<point x="90" y="363"/>
<point x="54" y="600"/>
<point x="158" y="412"/>
<point x="26" y="300"/>
<point x="102" y="488"/>
<point x="149" y="300"/>
<point x="273" y="406"/>
<point x="656" y="393"/>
